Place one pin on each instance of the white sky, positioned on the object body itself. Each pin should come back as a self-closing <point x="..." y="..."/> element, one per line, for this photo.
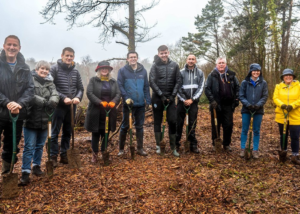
<point x="175" y="18"/>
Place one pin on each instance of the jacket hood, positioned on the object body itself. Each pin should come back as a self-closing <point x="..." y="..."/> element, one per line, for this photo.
<point x="254" y="67"/>
<point x="140" y="67"/>
<point x="20" y="57"/>
<point x="158" y="61"/>
<point x="64" y="66"/>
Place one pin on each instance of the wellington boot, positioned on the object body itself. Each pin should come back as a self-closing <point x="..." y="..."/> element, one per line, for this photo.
<point x="25" y="179"/>
<point x="157" y="139"/>
<point x="54" y="160"/>
<point x="172" y="138"/>
<point x="140" y="139"/>
<point x="5" y="167"/>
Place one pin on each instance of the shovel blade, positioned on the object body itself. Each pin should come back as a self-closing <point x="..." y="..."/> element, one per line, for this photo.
<point x="282" y="156"/>
<point x="248" y="154"/>
<point x="49" y="168"/>
<point x="187" y="146"/>
<point x="162" y="147"/>
<point x="74" y="158"/>
<point x="132" y="152"/>
<point x="218" y="144"/>
<point x="10" y="187"/>
<point x="105" y="156"/>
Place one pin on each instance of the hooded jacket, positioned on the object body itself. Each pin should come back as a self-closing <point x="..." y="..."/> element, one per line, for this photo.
<point x="44" y="91"/>
<point x="288" y="96"/>
<point x="134" y="85"/>
<point x="192" y="84"/>
<point x="67" y="80"/>
<point x="165" y="79"/>
<point x="253" y="95"/>
<point x="15" y="86"/>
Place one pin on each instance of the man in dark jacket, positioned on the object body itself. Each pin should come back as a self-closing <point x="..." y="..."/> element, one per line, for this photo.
<point x="134" y="87"/>
<point x="69" y="86"/>
<point x="16" y="93"/>
<point x="189" y="95"/>
<point x="222" y="91"/>
<point x="165" y="81"/>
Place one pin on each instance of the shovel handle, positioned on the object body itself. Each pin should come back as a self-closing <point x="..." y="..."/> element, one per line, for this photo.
<point x="216" y="122"/>
<point x="14" y="122"/>
<point x="284" y="128"/>
<point x="72" y="124"/>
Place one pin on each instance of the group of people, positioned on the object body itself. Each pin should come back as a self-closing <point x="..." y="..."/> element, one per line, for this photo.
<point x="52" y="89"/>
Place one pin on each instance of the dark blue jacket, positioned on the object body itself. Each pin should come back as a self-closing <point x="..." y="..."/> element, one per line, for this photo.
<point x="250" y="95"/>
<point x="134" y="85"/>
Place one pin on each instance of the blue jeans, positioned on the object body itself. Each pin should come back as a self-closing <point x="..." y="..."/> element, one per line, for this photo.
<point x="257" y="118"/>
<point x="33" y="148"/>
<point x="139" y="117"/>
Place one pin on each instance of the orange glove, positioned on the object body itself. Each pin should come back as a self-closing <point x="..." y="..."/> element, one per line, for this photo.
<point x="111" y="104"/>
<point x="104" y="104"/>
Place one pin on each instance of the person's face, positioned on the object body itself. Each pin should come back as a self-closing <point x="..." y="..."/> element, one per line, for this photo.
<point x="164" y="55"/>
<point x="104" y="71"/>
<point x="288" y="79"/>
<point x="42" y="71"/>
<point x="12" y="48"/>
<point x="67" y="57"/>
<point x="255" y="74"/>
<point x="221" y="65"/>
<point x="191" y="61"/>
<point x="132" y="59"/>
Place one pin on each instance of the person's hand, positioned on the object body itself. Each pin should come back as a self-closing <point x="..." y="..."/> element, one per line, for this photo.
<point x="67" y="101"/>
<point x="104" y="104"/>
<point x="51" y="104"/>
<point x="76" y="100"/>
<point x="16" y="111"/>
<point x="250" y="107"/>
<point x="214" y="104"/>
<point x="129" y="102"/>
<point x="171" y="99"/>
<point x="256" y="107"/>
<point x="289" y="108"/>
<point x="111" y="104"/>
<point x="164" y="100"/>
<point x="13" y="106"/>
<point x="283" y="106"/>
<point x="188" y="102"/>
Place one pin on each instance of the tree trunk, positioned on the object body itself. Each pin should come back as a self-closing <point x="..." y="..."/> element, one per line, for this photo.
<point x="131" y="46"/>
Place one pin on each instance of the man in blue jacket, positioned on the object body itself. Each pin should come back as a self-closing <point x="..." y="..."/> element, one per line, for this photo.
<point x="134" y="87"/>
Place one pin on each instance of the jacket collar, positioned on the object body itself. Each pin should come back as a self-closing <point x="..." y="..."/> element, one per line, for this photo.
<point x="20" y="60"/>
<point x="64" y="66"/>
<point x="140" y="67"/>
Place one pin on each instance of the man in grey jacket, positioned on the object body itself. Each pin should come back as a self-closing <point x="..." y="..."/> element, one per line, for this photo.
<point x="189" y="95"/>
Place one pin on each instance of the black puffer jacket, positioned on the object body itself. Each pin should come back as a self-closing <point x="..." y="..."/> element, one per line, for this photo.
<point x="15" y="86"/>
<point x="212" y="89"/>
<point x="67" y="81"/>
<point x="44" y="91"/>
<point x="165" y="79"/>
<point x="93" y="93"/>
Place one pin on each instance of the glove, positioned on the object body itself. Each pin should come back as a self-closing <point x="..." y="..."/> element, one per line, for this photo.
<point x="289" y="108"/>
<point x="104" y="104"/>
<point x="256" y="107"/>
<point x="164" y="100"/>
<point x="214" y="104"/>
<point x="250" y="107"/>
<point x="283" y="106"/>
<point x="129" y="102"/>
<point x="111" y="104"/>
<point x="171" y="99"/>
<point x="51" y="104"/>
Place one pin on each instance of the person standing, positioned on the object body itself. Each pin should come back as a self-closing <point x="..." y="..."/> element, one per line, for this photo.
<point x="165" y="81"/>
<point x="189" y="94"/>
<point x="222" y="91"/>
<point x="16" y="93"/>
<point x="69" y="86"/>
<point x="134" y="87"/>
<point x="253" y="95"/>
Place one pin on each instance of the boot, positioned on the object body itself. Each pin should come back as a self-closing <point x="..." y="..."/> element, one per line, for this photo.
<point x="157" y="139"/>
<point x="25" y="178"/>
<point x="95" y="157"/>
<point x="172" y="138"/>
<point x="194" y="147"/>
<point x="5" y="167"/>
<point x="54" y="160"/>
<point x="255" y="154"/>
<point x="242" y="153"/>
<point x="139" y="139"/>
<point x="36" y="170"/>
<point x="295" y="159"/>
<point x="63" y="159"/>
<point x="122" y="139"/>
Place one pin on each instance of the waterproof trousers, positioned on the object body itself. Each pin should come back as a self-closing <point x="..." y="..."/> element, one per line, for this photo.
<point x="294" y="131"/>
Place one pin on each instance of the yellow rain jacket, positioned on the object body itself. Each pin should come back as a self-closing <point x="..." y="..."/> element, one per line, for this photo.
<point x="289" y="96"/>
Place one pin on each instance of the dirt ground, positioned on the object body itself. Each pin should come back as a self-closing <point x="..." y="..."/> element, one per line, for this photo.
<point x="194" y="183"/>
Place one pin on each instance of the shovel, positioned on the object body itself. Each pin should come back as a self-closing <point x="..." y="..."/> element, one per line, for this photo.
<point x="187" y="143"/>
<point x="10" y="180"/>
<point x="218" y="141"/>
<point x="248" y="152"/>
<point x="105" y="154"/>
<point x="130" y="132"/>
<point x="162" y="143"/>
<point x="73" y="153"/>
<point x="282" y="153"/>
<point x="49" y="163"/>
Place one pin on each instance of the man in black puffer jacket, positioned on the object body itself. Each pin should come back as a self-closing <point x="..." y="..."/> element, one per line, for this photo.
<point x="70" y="90"/>
<point x="165" y="81"/>
<point x="222" y="91"/>
<point x="16" y="93"/>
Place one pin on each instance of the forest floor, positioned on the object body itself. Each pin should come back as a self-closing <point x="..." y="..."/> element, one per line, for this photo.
<point x="194" y="183"/>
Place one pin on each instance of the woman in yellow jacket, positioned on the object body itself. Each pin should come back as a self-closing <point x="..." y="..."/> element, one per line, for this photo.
<point x="287" y="98"/>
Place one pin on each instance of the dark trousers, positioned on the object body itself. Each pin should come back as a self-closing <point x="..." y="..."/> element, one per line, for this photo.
<point x="224" y="118"/>
<point x="294" y="131"/>
<point x="192" y="115"/>
<point x="6" y="128"/>
<point x="138" y="113"/>
<point x="95" y="140"/>
<point x="61" y="118"/>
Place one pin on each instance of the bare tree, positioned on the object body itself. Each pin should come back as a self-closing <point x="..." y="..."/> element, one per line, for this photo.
<point x="102" y="14"/>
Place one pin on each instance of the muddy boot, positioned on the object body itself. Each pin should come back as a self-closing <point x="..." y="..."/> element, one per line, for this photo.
<point x="122" y="139"/>
<point x="139" y="139"/>
<point x="5" y="167"/>
<point x="54" y="160"/>
<point x="157" y="139"/>
<point x="25" y="179"/>
<point x="242" y="153"/>
<point x="36" y="170"/>
<point x="63" y="159"/>
<point x="295" y="159"/>
<point x="194" y="147"/>
<point x="255" y="154"/>
<point x="172" y="138"/>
